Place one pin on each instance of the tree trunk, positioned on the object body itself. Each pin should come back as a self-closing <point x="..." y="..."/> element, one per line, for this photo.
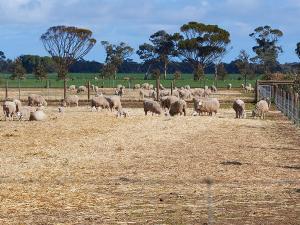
<point x="166" y="67"/>
<point x="65" y="88"/>
<point x="147" y="73"/>
<point x="115" y="75"/>
<point x="216" y="72"/>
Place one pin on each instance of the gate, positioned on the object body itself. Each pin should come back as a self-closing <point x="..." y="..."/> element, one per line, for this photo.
<point x="265" y="91"/>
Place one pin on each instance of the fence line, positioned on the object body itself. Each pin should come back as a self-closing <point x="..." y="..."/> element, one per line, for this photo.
<point x="289" y="104"/>
<point x="285" y="101"/>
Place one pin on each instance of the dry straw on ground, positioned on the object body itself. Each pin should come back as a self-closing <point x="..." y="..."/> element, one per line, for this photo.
<point x="86" y="167"/>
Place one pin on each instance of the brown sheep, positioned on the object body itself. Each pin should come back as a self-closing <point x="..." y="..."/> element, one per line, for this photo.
<point x="239" y="108"/>
<point x="152" y="106"/>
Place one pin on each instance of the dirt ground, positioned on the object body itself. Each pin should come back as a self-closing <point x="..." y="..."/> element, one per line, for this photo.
<point x="86" y="167"/>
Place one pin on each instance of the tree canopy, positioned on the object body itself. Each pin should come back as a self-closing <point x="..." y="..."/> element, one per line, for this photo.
<point x="67" y="44"/>
<point x="297" y="50"/>
<point x="266" y="48"/>
<point x="161" y="49"/>
<point x="202" y="44"/>
<point x="116" y="54"/>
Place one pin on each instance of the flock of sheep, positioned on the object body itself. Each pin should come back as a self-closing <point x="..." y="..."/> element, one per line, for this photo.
<point x="169" y="103"/>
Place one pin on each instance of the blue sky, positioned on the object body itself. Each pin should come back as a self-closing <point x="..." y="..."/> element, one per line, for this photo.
<point x="23" y="21"/>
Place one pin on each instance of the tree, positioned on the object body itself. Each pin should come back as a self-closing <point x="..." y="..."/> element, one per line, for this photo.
<point x="161" y="50"/>
<point x="40" y="71"/>
<point x="116" y="54"/>
<point x="146" y="53"/>
<point x="201" y="45"/>
<point x="221" y="72"/>
<point x="67" y="44"/>
<point x="297" y="50"/>
<point x="176" y="76"/>
<point x="18" y="71"/>
<point x="108" y="70"/>
<point x="155" y="74"/>
<point x="267" y="48"/>
<point x="243" y="65"/>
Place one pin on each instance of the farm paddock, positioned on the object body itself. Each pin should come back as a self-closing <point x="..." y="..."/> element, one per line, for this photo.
<point x="86" y="167"/>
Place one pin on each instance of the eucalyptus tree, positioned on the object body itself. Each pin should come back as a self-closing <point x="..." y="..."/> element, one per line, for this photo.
<point x="67" y="44"/>
<point x="266" y="48"/>
<point x="201" y="45"/>
<point x="116" y="55"/>
<point x="162" y="49"/>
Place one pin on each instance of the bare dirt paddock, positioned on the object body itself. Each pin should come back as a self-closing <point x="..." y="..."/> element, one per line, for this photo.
<point x="92" y="168"/>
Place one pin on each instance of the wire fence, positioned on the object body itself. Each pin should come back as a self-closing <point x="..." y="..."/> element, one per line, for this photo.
<point x="287" y="102"/>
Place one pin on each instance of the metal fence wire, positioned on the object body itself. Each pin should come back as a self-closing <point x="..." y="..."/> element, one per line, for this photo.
<point x="287" y="102"/>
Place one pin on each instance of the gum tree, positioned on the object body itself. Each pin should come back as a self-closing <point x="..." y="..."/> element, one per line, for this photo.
<point x="67" y="44"/>
<point x="201" y="45"/>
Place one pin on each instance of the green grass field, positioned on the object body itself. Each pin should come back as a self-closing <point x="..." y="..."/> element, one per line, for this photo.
<point x="82" y="79"/>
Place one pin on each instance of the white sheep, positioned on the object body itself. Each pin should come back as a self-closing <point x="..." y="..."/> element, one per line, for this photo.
<point x="261" y="108"/>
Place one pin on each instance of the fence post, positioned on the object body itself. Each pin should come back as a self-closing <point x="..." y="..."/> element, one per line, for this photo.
<point x="6" y="89"/>
<point x="256" y="90"/>
<point x="172" y="85"/>
<point x="19" y="87"/>
<point x="89" y="85"/>
<point x="65" y="88"/>
<point x="157" y="88"/>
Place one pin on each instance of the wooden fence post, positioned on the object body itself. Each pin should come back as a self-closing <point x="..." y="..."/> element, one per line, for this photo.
<point x="89" y="85"/>
<point x="172" y="86"/>
<point x="19" y="87"/>
<point x="65" y="88"/>
<point x="256" y="90"/>
<point x="157" y="88"/>
<point x="6" y="89"/>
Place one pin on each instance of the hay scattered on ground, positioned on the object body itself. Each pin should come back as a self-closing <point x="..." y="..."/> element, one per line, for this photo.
<point x="86" y="167"/>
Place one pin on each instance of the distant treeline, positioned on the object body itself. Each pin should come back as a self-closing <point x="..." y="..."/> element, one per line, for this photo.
<point x="30" y="62"/>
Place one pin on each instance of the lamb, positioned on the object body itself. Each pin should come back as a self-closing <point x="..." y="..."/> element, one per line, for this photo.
<point x="184" y="94"/>
<point x="99" y="102"/>
<point x="207" y="92"/>
<point x="178" y="107"/>
<point x="146" y="94"/>
<point x="38" y="115"/>
<point x="188" y="87"/>
<point x="198" y="92"/>
<point x="152" y="106"/>
<point x="167" y="101"/>
<point x="163" y="93"/>
<point x="151" y="87"/>
<point x="81" y="89"/>
<point x="120" y="91"/>
<point x="239" y="108"/>
<point x="209" y="106"/>
<point x="72" y="88"/>
<point x="261" y="108"/>
<point x="114" y="103"/>
<point x="122" y="112"/>
<point x="36" y="100"/>
<point x="24" y="113"/>
<point x="9" y="110"/>
<point x="161" y="87"/>
<point x="213" y="88"/>
<point x="71" y="99"/>
<point x="145" y="86"/>
<point x="229" y="86"/>
<point x="137" y="86"/>
<point x="249" y="88"/>
<point x="175" y="93"/>
<point x="18" y="104"/>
